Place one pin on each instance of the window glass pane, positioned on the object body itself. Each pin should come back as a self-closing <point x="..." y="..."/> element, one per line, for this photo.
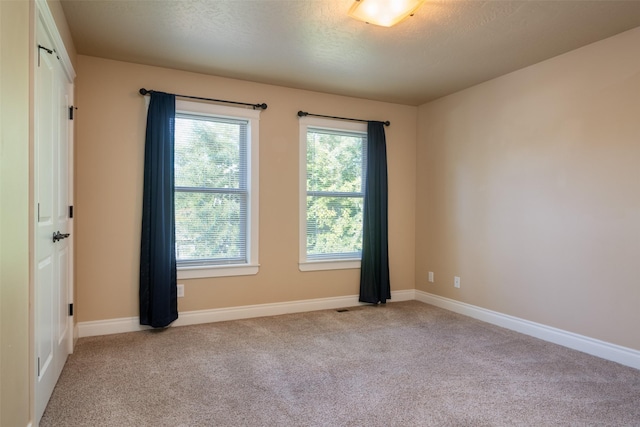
<point x="334" y="227"/>
<point x="336" y="170"/>
<point x="210" y="152"/>
<point x="335" y="161"/>
<point x="210" y="226"/>
<point x="334" y="180"/>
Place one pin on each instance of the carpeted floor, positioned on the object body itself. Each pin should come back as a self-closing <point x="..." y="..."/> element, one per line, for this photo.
<point x="402" y="364"/>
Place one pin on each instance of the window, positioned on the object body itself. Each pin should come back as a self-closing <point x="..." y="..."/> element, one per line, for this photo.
<point x="216" y="190"/>
<point x="333" y="158"/>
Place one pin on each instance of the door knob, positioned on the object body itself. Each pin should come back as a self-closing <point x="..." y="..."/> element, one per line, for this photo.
<point x="59" y="236"/>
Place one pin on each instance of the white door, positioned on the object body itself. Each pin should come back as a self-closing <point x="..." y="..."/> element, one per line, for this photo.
<point x="53" y="328"/>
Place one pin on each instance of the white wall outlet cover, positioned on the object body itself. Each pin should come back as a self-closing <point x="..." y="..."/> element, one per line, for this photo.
<point x="180" y="291"/>
<point x="431" y="276"/>
<point x="456" y="281"/>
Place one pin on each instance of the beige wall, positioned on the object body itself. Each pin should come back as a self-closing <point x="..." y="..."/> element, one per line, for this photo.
<point x="528" y="187"/>
<point x="109" y="161"/>
<point x="14" y="213"/>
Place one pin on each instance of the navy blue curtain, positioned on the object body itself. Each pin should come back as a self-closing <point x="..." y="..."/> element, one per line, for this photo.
<point x="374" y="267"/>
<point x="158" y="290"/>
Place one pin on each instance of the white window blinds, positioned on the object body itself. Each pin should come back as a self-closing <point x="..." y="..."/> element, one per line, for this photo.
<point x="211" y="193"/>
<point x="335" y="182"/>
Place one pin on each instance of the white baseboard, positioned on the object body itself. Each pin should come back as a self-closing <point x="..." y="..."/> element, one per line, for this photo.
<point x="623" y="355"/>
<point x="132" y="324"/>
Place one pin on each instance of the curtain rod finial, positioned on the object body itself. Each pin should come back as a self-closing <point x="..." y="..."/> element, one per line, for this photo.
<point x="143" y="91"/>
<point x="302" y="113"/>
<point x="387" y="123"/>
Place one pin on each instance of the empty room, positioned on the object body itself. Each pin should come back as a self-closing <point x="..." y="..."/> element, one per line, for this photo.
<point x="319" y="213"/>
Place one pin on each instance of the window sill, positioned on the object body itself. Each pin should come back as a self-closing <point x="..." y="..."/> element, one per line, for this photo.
<point x="205" y="271"/>
<point x="329" y="265"/>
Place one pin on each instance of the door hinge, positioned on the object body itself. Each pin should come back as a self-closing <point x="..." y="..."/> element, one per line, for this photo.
<point x="38" y="366"/>
<point x="70" y="211"/>
<point x="71" y="112"/>
<point x="71" y="309"/>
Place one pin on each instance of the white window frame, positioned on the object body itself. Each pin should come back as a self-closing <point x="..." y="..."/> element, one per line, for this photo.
<point x="252" y="266"/>
<point x="304" y="263"/>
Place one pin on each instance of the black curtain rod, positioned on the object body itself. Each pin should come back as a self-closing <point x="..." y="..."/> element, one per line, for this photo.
<point x="304" y="113"/>
<point x="262" y="106"/>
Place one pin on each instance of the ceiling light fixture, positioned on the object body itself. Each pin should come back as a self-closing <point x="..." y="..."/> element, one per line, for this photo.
<point x="385" y="13"/>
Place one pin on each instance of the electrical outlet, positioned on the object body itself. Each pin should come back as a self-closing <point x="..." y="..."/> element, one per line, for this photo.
<point x="456" y="282"/>
<point x="180" y="291"/>
<point x="431" y="276"/>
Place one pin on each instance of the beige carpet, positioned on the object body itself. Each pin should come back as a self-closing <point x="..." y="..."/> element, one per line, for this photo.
<point x="403" y="364"/>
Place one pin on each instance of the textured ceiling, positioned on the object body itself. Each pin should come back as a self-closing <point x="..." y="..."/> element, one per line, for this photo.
<point x="312" y="44"/>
